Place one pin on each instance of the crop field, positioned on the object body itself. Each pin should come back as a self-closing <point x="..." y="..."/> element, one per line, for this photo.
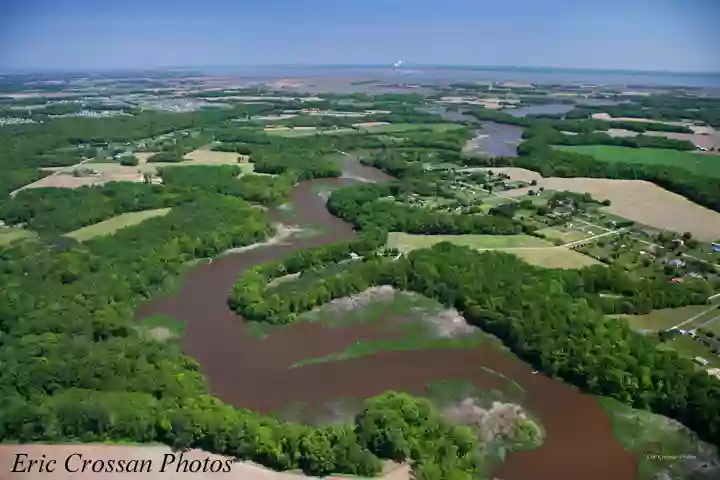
<point x="533" y="250"/>
<point x="209" y="157"/>
<point x="8" y="235"/>
<point x="116" y="223"/>
<point x="557" y="257"/>
<point x="701" y="164"/>
<point x="637" y="200"/>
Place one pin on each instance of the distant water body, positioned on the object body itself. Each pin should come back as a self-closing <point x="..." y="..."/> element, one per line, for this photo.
<point x="429" y="74"/>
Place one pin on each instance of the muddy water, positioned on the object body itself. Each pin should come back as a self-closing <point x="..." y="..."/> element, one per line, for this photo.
<point x="253" y="373"/>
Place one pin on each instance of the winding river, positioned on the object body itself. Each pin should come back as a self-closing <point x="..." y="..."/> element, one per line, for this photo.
<point x="254" y="373"/>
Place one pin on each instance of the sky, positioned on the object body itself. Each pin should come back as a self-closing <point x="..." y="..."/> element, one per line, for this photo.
<point x="668" y="35"/>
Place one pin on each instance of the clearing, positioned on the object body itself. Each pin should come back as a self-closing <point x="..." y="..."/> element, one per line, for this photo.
<point x="405" y="242"/>
<point x="635" y="200"/>
<point x="8" y="234"/>
<point x="533" y="250"/>
<point x="113" y="224"/>
<point x="700" y="164"/>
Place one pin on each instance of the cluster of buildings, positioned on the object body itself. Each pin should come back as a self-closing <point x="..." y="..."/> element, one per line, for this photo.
<point x="15" y="121"/>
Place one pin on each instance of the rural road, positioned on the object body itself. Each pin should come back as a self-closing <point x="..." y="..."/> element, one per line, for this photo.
<point x="652" y="244"/>
<point x="685" y="322"/>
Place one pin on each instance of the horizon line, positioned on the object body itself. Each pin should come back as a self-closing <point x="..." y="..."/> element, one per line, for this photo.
<point x="406" y="66"/>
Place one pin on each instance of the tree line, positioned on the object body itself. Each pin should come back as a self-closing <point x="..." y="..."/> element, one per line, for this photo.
<point x="375" y="207"/>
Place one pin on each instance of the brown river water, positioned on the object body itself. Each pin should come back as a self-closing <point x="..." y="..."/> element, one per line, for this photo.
<point x="250" y="372"/>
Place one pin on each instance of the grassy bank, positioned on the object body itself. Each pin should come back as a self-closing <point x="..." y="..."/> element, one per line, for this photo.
<point x="662" y="445"/>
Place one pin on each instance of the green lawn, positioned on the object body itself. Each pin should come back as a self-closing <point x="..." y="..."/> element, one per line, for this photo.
<point x="708" y="165"/>
<point x="690" y="348"/>
<point x="407" y="242"/>
<point x="665" y="318"/>
<point x="116" y="223"/>
<point x="7" y="235"/>
<point x="533" y="250"/>
<point x="564" y="234"/>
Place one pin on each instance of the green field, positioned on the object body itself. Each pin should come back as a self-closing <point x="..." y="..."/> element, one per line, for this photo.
<point x="564" y="234"/>
<point x="665" y="318"/>
<point x="533" y="250"/>
<point x="7" y="235"/>
<point x="406" y="242"/>
<point x="708" y="165"/>
<point x="116" y="223"/>
<point x="690" y="348"/>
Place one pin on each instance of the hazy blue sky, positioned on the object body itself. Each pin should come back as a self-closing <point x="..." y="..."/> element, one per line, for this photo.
<point x="679" y="35"/>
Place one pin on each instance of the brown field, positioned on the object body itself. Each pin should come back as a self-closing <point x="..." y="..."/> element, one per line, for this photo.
<point x="63" y="180"/>
<point x="605" y="116"/>
<point x="636" y="200"/>
<point x="554" y="257"/>
<point x="156" y="454"/>
<point x="114" y="172"/>
<point x="208" y="157"/>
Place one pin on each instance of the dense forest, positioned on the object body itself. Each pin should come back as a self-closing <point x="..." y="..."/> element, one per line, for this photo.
<point x="224" y="179"/>
<point x="61" y="210"/>
<point x="75" y="368"/>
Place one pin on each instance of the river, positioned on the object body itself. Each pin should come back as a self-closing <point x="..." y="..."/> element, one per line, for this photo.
<point x="495" y="140"/>
<point x="249" y="372"/>
<point x="543" y="109"/>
